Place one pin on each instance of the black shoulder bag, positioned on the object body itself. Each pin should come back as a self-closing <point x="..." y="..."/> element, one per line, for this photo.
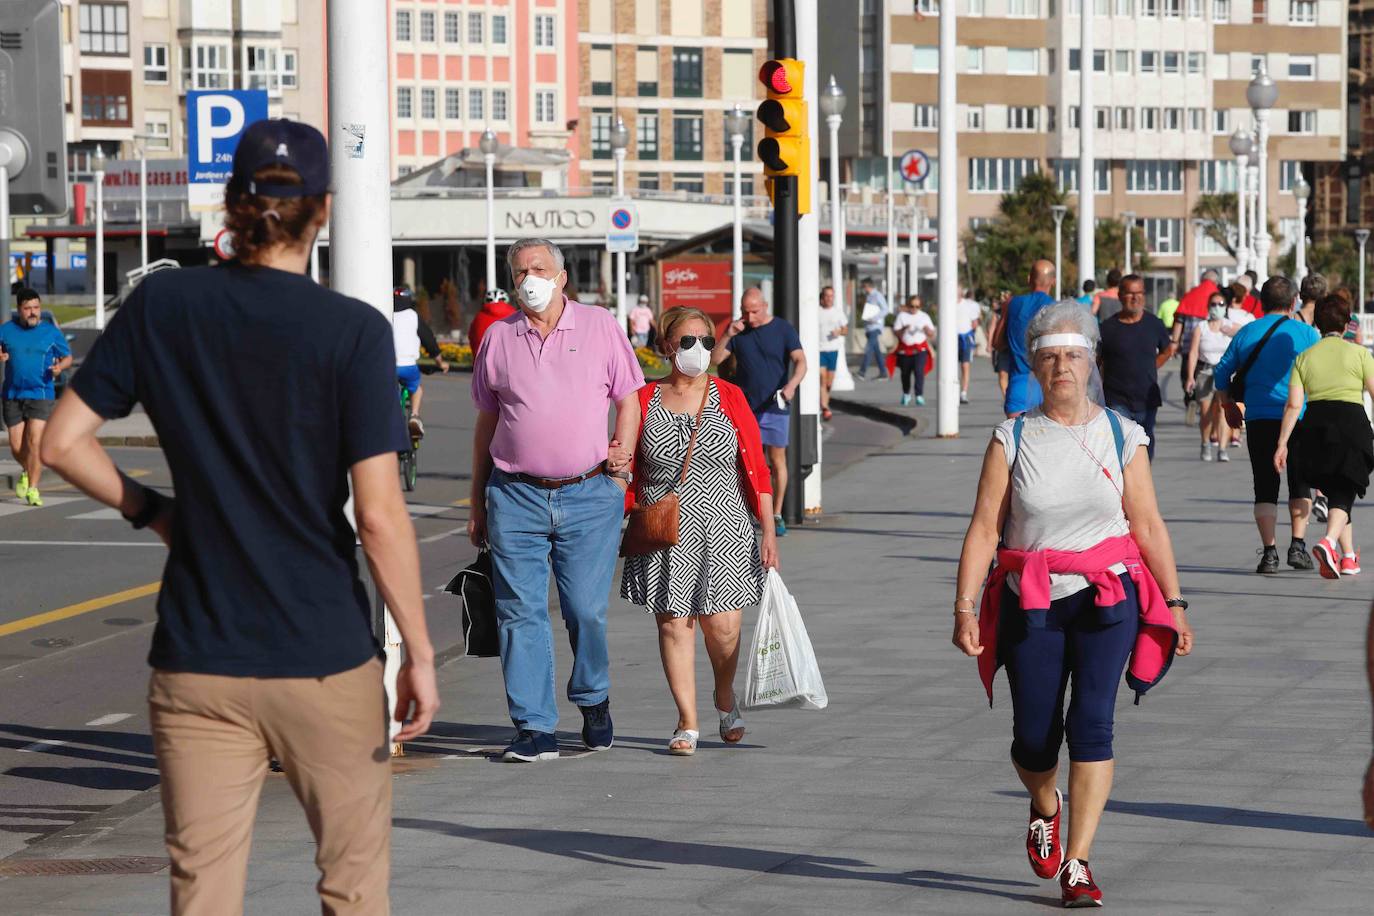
<point x="1237" y="387"/>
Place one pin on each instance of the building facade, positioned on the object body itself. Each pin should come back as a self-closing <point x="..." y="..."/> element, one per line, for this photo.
<point x="1343" y="195"/>
<point x="671" y="69"/>
<point x="1170" y="81"/>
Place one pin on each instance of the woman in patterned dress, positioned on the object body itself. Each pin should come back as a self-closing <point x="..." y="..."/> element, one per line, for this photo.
<point x="717" y="567"/>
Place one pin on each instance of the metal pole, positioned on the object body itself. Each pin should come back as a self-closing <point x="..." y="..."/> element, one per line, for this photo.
<point x="1262" y="198"/>
<point x="913" y="270"/>
<point x="1362" y="236"/>
<point x="490" y="160"/>
<point x="947" y="359"/>
<point x="1300" y="260"/>
<point x="5" y="156"/>
<point x="1058" y="255"/>
<point x="786" y="237"/>
<point x="1253" y="217"/>
<point x="315" y="261"/>
<point x="1130" y="230"/>
<point x="622" y="310"/>
<point x="1242" y="206"/>
<point x="100" y="243"/>
<point x="360" y="218"/>
<point x="808" y="399"/>
<point x="836" y="233"/>
<point x="737" y="287"/>
<point x="143" y="204"/>
<point x="1087" y="185"/>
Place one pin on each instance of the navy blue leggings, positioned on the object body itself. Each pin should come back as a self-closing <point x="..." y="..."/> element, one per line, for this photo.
<point x="1042" y="651"/>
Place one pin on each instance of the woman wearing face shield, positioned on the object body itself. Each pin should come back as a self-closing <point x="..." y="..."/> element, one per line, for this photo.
<point x="1066" y="506"/>
<point x="717" y="567"/>
<point x="1210" y="341"/>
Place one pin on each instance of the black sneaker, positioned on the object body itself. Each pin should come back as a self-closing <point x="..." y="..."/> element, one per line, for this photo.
<point x="1319" y="509"/>
<point x="1298" y="557"/>
<point x="597" y="732"/>
<point x="1269" y="561"/>
<point x="530" y="746"/>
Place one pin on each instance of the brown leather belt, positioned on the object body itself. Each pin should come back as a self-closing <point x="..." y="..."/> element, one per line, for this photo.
<point x="554" y="484"/>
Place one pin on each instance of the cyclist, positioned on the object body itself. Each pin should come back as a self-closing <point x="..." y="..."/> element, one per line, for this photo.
<point x="496" y="307"/>
<point x="411" y="336"/>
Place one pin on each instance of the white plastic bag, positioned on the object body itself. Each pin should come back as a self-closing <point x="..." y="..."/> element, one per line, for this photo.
<point x="782" y="666"/>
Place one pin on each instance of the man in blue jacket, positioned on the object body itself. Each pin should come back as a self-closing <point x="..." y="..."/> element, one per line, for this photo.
<point x="34" y="353"/>
<point x="1023" y="392"/>
<point x="1269" y="345"/>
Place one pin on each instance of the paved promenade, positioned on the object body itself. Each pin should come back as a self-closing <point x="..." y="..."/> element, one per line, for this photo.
<point x="1237" y="780"/>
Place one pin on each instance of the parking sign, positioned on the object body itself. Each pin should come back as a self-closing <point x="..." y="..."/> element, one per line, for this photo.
<point x="214" y="122"/>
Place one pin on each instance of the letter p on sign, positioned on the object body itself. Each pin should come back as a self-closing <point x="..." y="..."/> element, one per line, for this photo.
<point x="207" y="132"/>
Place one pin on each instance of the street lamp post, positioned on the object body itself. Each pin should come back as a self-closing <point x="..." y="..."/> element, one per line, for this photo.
<point x="99" y="239"/>
<point x="620" y="141"/>
<point x="487" y="144"/>
<point x="1128" y="217"/>
<point x="918" y="217"/>
<point x="1240" y="148"/>
<point x="1262" y="93"/>
<point x="1361" y="236"/>
<point x="832" y="106"/>
<point x="1301" y="190"/>
<point x="143" y="204"/>
<point x="736" y="122"/>
<point x="1199" y="225"/>
<point x="1058" y="211"/>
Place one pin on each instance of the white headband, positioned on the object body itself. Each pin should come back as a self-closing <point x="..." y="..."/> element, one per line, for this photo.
<point x="1060" y="340"/>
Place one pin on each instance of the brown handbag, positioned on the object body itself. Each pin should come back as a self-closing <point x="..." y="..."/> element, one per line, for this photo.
<point x="655" y="527"/>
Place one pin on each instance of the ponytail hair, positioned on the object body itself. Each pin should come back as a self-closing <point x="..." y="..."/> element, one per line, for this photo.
<point x="258" y="223"/>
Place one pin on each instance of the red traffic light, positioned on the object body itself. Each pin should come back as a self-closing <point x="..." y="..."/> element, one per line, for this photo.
<point x="774" y="75"/>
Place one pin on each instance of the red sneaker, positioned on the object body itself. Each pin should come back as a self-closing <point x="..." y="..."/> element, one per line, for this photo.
<point x="1350" y="564"/>
<point x="1328" y="559"/>
<point x="1042" y="840"/>
<point x="1076" y="885"/>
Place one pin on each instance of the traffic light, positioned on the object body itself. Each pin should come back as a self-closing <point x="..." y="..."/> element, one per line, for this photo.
<point x="785" y="149"/>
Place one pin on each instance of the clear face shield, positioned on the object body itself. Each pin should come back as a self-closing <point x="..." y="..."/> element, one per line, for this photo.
<point x="1064" y="356"/>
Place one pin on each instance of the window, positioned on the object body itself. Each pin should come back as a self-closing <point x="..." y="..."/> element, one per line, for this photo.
<point x="476" y="104"/>
<point x="260" y="69"/>
<point x="1052" y="119"/>
<point x="646" y="136"/>
<point x="1123" y="61"/>
<point x="1217" y="176"/>
<point x="404" y="170"/>
<point x="157" y="125"/>
<point x="404" y="98"/>
<point x="1074" y="118"/>
<point x="403" y="25"/>
<point x="428" y="104"/>
<point x="601" y="134"/>
<point x="1197" y="120"/>
<point x="746" y="186"/>
<point x="1099" y="60"/>
<point x="1302" y="12"/>
<point x="498" y="28"/>
<point x="975" y="60"/>
<point x="1022" y="117"/>
<point x="209" y="67"/>
<point x="155" y="65"/>
<point x="1221" y="10"/>
<point x="1154" y="176"/>
<point x="1023" y="61"/>
<point x="1196" y="62"/>
<point x="1124" y="8"/>
<point x="1149" y="61"/>
<point x="1066" y="175"/>
<point x="453" y="104"/>
<point x="105" y="97"/>
<point x="687" y="135"/>
<point x="427" y="26"/>
<point x="925" y="59"/>
<point x="453" y="28"/>
<point x="1123" y="118"/>
<point x="543" y="32"/>
<point x="104" y="28"/>
<point x="1172" y="60"/>
<point x="1163" y="236"/>
<point x="687" y="72"/>
<point x="1023" y="8"/>
<point x="1149" y="9"/>
<point x="1149" y="119"/>
<point x="475" y="29"/>
<point x="648" y="181"/>
<point x="928" y="7"/>
<point x="1172" y="9"/>
<point x="1302" y="66"/>
<point x="289" y="68"/>
<point x="689" y="182"/>
<point x="1102" y="118"/>
<point x="973" y="117"/>
<point x="1289" y="170"/>
<point x="1173" y="119"/>
<point x="998" y="176"/>
<point x="1302" y="122"/>
<point x="1221" y="121"/>
<point x="602" y="67"/>
<point x="1194" y="9"/>
<point x="926" y="117"/>
<point x="646" y="71"/>
<point x="544" y="111"/>
<point x="500" y="105"/>
<point x="1258" y="62"/>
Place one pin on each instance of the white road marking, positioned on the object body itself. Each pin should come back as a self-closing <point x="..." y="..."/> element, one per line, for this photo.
<point x="443" y="534"/>
<point x="109" y="719"/>
<point x="102" y="515"/>
<point x="82" y="544"/>
<point x="39" y="746"/>
<point x="420" y="510"/>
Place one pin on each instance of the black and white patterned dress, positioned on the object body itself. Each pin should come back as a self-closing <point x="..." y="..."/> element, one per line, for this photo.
<point x="715" y="565"/>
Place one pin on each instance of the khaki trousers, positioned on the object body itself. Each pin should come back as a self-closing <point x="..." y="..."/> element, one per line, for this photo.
<point x="213" y="736"/>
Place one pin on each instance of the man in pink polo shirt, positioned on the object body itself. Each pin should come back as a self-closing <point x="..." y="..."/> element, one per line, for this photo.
<point x="548" y="488"/>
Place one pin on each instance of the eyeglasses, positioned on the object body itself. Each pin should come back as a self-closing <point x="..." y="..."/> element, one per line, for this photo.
<point x="688" y="341"/>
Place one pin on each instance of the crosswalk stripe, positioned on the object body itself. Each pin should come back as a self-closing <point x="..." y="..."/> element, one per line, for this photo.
<point x="102" y="515"/>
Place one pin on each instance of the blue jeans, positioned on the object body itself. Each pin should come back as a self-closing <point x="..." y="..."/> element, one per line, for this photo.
<point x="576" y="530"/>
<point x="872" y="349"/>
<point x="1145" y="418"/>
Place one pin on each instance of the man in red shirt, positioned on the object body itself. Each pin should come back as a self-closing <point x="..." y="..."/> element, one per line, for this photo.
<point x="495" y="307"/>
<point x="1192" y="309"/>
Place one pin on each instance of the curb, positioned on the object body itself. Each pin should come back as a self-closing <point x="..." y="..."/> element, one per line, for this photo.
<point x="129" y="441"/>
<point x="907" y="423"/>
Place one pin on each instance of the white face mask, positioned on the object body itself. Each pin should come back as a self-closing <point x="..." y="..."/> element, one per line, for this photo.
<point x="536" y="292"/>
<point x="693" y="362"/>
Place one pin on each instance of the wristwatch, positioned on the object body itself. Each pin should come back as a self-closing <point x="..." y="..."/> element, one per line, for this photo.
<point x="153" y="504"/>
<point x="1178" y="603"/>
<point x="623" y="475"/>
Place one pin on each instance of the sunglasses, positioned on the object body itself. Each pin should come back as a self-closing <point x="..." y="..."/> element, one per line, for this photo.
<point x="688" y="341"/>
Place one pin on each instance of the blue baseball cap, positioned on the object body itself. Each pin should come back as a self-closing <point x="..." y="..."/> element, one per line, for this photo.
<point x="297" y="146"/>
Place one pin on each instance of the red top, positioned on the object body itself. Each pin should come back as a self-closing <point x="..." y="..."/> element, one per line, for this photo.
<point x="1194" y="302"/>
<point x="1252" y="305"/>
<point x="754" y="474"/>
<point x="491" y="313"/>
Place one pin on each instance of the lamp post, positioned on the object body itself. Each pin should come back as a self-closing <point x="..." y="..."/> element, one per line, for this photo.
<point x="1240" y="148"/>
<point x="918" y="214"/>
<point x="1301" y="191"/>
<point x="1128" y="217"/>
<point x="620" y="141"/>
<point x="1262" y="93"/>
<point x="1199" y="225"/>
<point x="736" y="122"/>
<point x="1058" y="211"/>
<point x="1361" y="236"/>
<point x="143" y="204"/>
<point x="487" y="144"/>
<point x="832" y="106"/>
<point x="100" y="239"/>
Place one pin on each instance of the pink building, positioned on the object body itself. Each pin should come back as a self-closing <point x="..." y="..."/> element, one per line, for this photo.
<point x="461" y="66"/>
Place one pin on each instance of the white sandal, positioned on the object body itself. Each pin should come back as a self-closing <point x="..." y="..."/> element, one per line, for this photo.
<point x="731" y="722"/>
<point x="687" y="735"/>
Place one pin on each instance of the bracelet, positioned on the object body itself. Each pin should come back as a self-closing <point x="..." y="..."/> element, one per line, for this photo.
<point x="153" y="504"/>
<point x="962" y="610"/>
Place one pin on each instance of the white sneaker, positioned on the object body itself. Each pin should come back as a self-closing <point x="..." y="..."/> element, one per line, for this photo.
<point x="1223" y="454"/>
<point x="963" y="397"/>
<point x="1207" y="452"/>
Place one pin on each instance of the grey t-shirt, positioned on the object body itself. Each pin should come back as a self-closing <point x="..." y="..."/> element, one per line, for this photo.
<point x="1107" y="306"/>
<point x="1060" y="497"/>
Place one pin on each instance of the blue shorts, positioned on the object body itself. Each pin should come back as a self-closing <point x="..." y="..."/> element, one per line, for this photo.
<point x="409" y="376"/>
<point x="774" y="426"/>
<point x="968" y="342"/>
<point x="830" y="360"/>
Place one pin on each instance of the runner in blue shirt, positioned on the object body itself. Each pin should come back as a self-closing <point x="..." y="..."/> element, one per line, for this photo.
<point x="1023" y="392"/>
<point x="34" y="353"/>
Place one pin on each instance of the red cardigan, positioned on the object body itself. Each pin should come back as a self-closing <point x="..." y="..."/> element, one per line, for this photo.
<point x="754" y="473"/>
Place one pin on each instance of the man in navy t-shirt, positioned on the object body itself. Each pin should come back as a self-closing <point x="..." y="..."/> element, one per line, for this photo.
<point x="769" y="365"/>
<point x="1023" y="392"/>
<point x="34" y="353"/>
<point x="1135" y="344"/>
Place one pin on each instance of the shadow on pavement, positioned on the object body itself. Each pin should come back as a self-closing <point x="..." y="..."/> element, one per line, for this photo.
<point x="1226" y="816"/>
<point x="123" y="748"/>
<point x="89" y="777"/>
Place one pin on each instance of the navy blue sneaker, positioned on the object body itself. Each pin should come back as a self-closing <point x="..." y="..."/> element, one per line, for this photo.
<point x="597" y="732"/>
<point x="530" y="746"/>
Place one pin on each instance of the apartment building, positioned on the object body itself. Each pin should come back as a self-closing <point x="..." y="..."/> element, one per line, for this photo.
<point x="671" y="69"/>
<point x="459" y="67"/>
<point x="1170" y="79"/>
<point x="1343" y="194"/>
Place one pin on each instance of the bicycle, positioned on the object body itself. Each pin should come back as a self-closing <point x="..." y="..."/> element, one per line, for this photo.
<point x="410" y="458"/>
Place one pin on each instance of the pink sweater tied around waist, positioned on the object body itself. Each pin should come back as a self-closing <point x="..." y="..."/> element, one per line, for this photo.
<point x="1157" y="638"/>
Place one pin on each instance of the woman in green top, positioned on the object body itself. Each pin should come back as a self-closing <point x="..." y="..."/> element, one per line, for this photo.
<point x="1336" y="438"/>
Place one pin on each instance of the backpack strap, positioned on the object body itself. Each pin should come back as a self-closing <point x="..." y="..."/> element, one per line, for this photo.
<point x="1016" y="437"/>
<point x="1119" y="437"/>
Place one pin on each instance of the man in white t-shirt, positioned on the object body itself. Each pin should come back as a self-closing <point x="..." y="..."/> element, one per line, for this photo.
<point x="914" y="331"/>
<point x="970" y="315"/>
<point x="834" y="329"/>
